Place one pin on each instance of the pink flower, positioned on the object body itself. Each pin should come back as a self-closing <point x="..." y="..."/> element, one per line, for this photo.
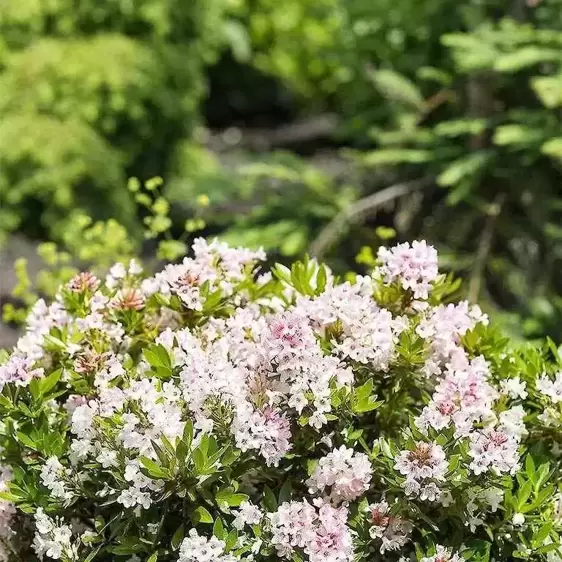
<point x="461" y="399"/>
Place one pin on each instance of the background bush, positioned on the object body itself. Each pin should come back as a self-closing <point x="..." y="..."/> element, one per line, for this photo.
<point x="90" y="93"/>
<point x="268" y="120"/>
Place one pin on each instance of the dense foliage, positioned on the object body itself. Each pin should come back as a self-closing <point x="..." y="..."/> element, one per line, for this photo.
<point x="89" y="93"/>
<point x="220" y="411"/>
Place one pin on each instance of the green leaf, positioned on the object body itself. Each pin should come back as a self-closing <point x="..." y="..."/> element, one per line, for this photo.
<point x="188" y="433"/>
<point x="397" y="88"/>
<point x="158" y="358"/>
<point x="231" y="540"/>
<point x="269" y="500"/>
<point x="525" y="57"/>
<point x="177" y="537"/>
<point x="517" y="135"/>
<point x="199" y="459"/>
<point x="26" y="440"/>
<point x="49" y="382"/>
<point x="530" y="467"/>
<point x="230" y="498"/>
<point x="153" y="469"/>
<point x="219" y="530"/>
<point x="392" y="156"/>
<point x="460" y="127"/>
<point x="524" y="494"/>
<point x="549" y="90"/>
<point x="553" y="148"/>
<point x="286" y="492"/>
<point x="468" y="166"/>
<point x="201" y="515"/>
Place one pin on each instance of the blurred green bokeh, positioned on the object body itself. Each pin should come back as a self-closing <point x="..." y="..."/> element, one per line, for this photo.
<point x="272" y="123"/>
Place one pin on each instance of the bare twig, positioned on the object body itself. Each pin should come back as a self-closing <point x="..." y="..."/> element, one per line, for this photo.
<point x="484" y="248"/>
<point x="354" y="213"/>
<point x="261" y="140"/>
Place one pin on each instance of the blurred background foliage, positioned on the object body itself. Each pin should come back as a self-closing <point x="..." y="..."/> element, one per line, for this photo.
<point x="321" y="126"/>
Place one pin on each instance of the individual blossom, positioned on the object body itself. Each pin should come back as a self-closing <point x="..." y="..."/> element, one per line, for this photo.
<point x="344" y="472"/>
<point x="551" y="388"/>
<point x="74" y="401"/>
<point x="514" y="388"/>
<point x="442" y="554"/>
<point x="413" y="266"/>
<point x="512" y="421"/>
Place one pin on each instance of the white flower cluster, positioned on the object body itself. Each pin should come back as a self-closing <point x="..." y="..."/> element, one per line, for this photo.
<point x="346" y="473"/>
<point x="53" y="538"/>
<point x="196" y="548"/>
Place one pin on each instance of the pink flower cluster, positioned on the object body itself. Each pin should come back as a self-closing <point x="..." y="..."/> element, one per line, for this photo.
<point x="214" y="264"/>
<point x="462" y="398"/>
<point x="19" y="370"/>
<point x="359" y="329"/>
<point x="318" y="530"/>
<point x="413" y="266"/>
<point x="443" y="327"/>
<point x="494" y="449"/>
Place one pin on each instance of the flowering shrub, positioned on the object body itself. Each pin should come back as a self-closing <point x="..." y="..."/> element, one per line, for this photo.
<point x="217" y="412"/>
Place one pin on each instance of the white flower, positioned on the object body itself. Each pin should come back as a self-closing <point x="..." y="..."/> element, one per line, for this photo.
<point x="247" y="514"/>
<point x="514" y="388"/>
